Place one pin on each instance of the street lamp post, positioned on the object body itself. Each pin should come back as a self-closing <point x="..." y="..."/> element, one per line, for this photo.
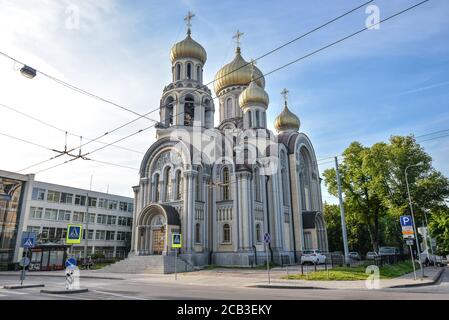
<point x="413" y="218"/>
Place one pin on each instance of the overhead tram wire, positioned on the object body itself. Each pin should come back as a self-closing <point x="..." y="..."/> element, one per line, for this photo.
<point x="62" y="130"/>
<point x="279" y="68"/>
<point x="194" y="90"/>
<point x="59" y="155"/>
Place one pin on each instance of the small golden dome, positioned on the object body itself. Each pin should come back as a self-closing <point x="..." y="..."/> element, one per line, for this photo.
<point x="237" y="72"/>
<point x="253" y="94"/>
<point x="287" y="121"/>
<point x="188" y="48"/>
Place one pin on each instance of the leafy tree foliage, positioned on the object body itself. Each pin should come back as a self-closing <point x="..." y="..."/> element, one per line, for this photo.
<point x="375" y="193"/>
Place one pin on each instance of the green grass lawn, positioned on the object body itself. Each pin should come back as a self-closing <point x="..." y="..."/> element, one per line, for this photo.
<point x="355" y="273"/>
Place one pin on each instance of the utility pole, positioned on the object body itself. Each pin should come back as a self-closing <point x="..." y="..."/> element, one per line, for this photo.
<point x="86" y="232"/>
<point x="342" y="213"/>
<point x="413" y="219"/>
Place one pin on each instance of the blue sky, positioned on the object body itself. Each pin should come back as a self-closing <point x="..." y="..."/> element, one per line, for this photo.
<point x="394" y="80"/>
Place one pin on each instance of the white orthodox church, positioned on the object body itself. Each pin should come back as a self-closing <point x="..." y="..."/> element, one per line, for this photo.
<point x="224" y="187"/>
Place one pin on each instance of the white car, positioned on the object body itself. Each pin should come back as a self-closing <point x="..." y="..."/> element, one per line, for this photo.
<point x="371" y="255"/>
<point x="313" y="257"/>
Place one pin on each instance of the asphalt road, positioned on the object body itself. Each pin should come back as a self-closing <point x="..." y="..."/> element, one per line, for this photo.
<point x="101" y="289"/>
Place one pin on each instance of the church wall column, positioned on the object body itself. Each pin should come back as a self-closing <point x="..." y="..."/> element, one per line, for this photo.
<point x="189" y="206"/>
<point x="297" y="205"/>
<point x="244" y="214"/>
<point x="135" y="213"/>
<point x="233" y="180"/>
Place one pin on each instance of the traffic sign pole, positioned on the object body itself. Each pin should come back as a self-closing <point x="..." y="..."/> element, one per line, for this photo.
<point x="268" y="263"/>
<point x="413" y="261"/>
<point x="176" y="260"/>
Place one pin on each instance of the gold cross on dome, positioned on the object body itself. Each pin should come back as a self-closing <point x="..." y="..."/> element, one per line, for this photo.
<point x="237" y="37"/>
<point x="188" y="19"/>
<point x="285" y="93"/>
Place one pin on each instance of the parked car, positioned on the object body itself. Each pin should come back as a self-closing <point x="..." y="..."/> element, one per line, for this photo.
<point x="388" y="251"/>
<point x="312" y="257"/>
<point x="354" y="255"/>
<point x="371" y="255"/>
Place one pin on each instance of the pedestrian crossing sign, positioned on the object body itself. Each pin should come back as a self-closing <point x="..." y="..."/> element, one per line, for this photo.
<point x="176" y="240"/>
<point x="74" y="233"/>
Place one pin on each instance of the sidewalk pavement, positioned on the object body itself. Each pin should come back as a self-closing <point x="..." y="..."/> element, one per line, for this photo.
<point x="254" y="278"/>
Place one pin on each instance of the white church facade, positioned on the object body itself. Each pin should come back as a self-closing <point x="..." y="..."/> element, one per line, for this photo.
<point x="223" y="187"/>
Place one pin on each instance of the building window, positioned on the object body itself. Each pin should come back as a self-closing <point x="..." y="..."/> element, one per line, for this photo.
<point x="102" y="203"/>
<point x="250" y="121"/>
<point x="189" y="71"/>
<point x="100" y="235"/>
<point x="92" y="202"/>
<point x="90" y="234"/>
<point x="258" y="233"/>
<point x="198" y="190"/>
<point x="112" y="204"/>
<point x="284" y="187"/>
<point x="91" y="217"/>
<point x="257" y="184"/>
<point x="168" y="183"/>
<point x="38" y="194"/>
<point x="156" y="186"/>
<point x="66" y="198"/>
<point x="51" y="214"/>
<point x="197" y="233"/>
<point x="110" y="235"/>
<point x="228" y="112"/>
<point x="178" y="72"/>
<point x="34" y="229"/>
<point x="64" y="215"/>
<point x="226" y="188"/>
<point x="101" y="219"/>
<point x="78" y="216"/>
<point x="36" y="213"/>
<point x="120" y="235"/>
<point x="226" y="233"/>
<point x="53" y="196"/>
<point x="178" y="185"/>
<point x="80" y="200"/>
<point x="112" y="220"/>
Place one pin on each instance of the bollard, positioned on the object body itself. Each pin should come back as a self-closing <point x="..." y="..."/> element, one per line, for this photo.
<point x="315" y="265"/>
<point x="302" y="269"/>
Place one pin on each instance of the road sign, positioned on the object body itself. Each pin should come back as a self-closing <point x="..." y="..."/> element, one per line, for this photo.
<point x="70" y="263"/>
<point x="406" y="221"/>
<point x="28" y="240"/>
<point x="407" y="227"/>
<point x="25" y="262"/>
<point x="409" y="242"/>
<point x="176" y="240"/>
<point x="267" y="238"/>
<point x="74" y="233"/>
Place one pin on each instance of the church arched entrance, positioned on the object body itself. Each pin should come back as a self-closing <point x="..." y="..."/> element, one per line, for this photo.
<point x="156" y="223"/>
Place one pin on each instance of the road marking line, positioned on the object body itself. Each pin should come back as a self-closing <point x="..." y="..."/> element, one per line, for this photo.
<point x="15" y="292"/>
<point x="120" y="295"/>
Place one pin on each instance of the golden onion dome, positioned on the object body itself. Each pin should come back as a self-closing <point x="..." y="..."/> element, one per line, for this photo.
<point x="188" y="48"/>
<point x="237" y="72"/>
<point x="253" y="94"/>
<point x="287" y="121"/>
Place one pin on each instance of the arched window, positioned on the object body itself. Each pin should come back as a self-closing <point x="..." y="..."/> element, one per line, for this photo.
<point x="258" y="119"/>
<point x="189" y="70"/>
<point x="250" y="121"/>
<point x="257" y="184"/>
<point x="178" y="72"/>
<point x="228" y="112"/>
<point x="169" y="112"/>
<point x="168" y="184"/>
<point x="198" y="73"/>
<point x="178" y="185"/>
<point x="189" y="111"/>
<point x="284" y="187"/>
<point x="258" y="233"/>
<point x="198" y="190"/>
<point x="156" y="188"/>
<point x="197" y="233"/>
<point x="226" y="183"/>
<point x="226" y="233"/>
<point x="305" y="180"/>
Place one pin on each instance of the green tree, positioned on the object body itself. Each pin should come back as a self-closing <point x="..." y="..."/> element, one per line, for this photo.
<point x="439" y="229"/>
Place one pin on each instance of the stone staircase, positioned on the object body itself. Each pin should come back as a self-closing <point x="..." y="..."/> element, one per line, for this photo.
<point x="149" y="264"/>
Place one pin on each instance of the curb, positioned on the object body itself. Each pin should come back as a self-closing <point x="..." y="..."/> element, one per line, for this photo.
<point x="434" y="280"/>
<point x="277" y="286"/>
<point x="64" y="291"/>
<point x="14" y="287"/>
<point x="58" y="275"/>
